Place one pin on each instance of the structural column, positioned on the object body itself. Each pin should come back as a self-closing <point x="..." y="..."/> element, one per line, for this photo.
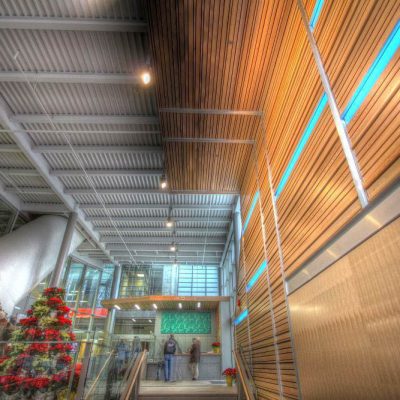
<point x="64" y="249"/>
<point x="109" y="328"/>
<point x="237" y="234"/>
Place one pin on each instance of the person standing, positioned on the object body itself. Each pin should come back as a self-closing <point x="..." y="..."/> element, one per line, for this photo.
<point x="195" y="358"/>
<point x="170" y="347"/>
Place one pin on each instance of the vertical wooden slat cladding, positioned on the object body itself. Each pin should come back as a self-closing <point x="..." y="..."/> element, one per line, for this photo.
<point x="350" y="35"/>
<point x="255" y="55"/>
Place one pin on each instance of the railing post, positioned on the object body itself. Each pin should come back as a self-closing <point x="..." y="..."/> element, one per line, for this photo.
<point x="80" y="392"/>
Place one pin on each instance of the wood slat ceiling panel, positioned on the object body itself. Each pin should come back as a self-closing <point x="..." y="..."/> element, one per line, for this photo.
<point x="243" y="127"/>
<point x="206" y="166"/>
<point x="319" y="197"/>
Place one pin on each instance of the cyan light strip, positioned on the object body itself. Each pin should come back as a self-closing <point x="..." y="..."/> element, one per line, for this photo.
<point x="303" y="141"/>
<point x="256" y="276"/>
<point x="315" y="15"/>
<point x="253" y="205"/>
<point x="382" y="60"/>
<point x="243" y="315"/>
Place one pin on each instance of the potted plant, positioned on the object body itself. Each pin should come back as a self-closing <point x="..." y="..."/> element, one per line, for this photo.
<point x="230" y="376"/>
<point x="216" y="346"/>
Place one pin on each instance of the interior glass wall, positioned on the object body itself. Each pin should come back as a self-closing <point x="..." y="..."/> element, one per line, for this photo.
<point x="179" y="280"/>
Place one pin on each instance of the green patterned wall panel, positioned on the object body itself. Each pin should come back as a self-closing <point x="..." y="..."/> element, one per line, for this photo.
<point x="186" y="322"/>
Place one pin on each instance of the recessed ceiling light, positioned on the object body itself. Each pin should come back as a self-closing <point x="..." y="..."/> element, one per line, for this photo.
<point x="155" y="306"/>
<point x="140" y="275"/>
<point x="146" y="78"/>
<point x="180" y="305"/>
<point x="163" y="182"/>
<point x="198" y="305"/>
<point x="137" y="307"/>
<point x="117" y="307"/>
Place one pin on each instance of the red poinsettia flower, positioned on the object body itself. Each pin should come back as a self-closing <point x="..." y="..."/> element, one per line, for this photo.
<point x="40" y="382"/>
<point x="72" y="336"/>
<point x="29" y="312"/>
<point x="51" y="334"/>
<point x="62" y="310"/>
<point x="230" y="372"/>
<point x="33" y="333"/>
<point x="54" y="302"/>
<point x="37" y="348"/>
<point x="10" y="383"/>
<point x="65" y="358"/>
<point x="64" y="321"/>
<point x="30" y="321"/>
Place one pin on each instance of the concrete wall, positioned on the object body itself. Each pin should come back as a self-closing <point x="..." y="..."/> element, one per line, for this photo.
<point x="28" y="255"/>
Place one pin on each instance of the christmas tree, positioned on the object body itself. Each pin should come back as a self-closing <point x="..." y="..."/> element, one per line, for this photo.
<point x="38" y="357"/>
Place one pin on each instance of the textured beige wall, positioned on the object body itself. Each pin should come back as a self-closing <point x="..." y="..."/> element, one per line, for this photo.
<point x="346" y="324"/>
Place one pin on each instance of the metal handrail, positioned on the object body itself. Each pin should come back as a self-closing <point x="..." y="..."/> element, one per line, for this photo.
<point x="133" y="376"/>
<point x="112" y="353"/>
<point x="246" y="379"/>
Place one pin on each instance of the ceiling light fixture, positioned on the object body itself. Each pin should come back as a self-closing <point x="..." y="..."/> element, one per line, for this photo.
<point x="163" y="182"/>
<point x="133" y="319"/>
<point x="173" y="247"/>
<point x="140" y="275"/>
<point x="155" y="306"/>
<point x="180" y="305"/>
<point x="146" y="77"/>
<point x="198" y="305"/>
<point x="117" y="307"/>
<point x="169" y="223"/>
<point x="150" y="321"/>
<point x="137" y="307"/>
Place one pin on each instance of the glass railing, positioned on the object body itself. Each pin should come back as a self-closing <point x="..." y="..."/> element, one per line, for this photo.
<point x="39" y="369"/>
<point x="107" y="373"/>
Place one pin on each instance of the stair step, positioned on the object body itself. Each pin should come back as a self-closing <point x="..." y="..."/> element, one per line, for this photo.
<point x="181" y="391"/>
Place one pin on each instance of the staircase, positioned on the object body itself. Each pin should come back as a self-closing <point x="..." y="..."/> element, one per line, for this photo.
<point x="198" y="390"/>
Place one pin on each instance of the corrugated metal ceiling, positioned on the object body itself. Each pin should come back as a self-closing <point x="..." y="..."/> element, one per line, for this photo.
<point x="94" y="52"/>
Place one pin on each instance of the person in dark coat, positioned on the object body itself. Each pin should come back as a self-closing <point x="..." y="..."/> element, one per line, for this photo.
<point x="195" y="359"/>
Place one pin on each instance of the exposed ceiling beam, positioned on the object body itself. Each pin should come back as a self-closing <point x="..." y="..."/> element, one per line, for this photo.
<point x="29" y="189"/>
<point x="162" y="247"/>
<point x="85" y="119"/>
<point x="72" y="24"/>
<point x="177" y="229"/>
<point x="206" y="140"/>
<point x="112" y="241"/>
<point x="69" y="77"/>
<point x="216" y="237"/>
<point x="43" y="208"/>
<point x="107" y="172"/>
<point x="19" y="171"/>
<point x="9" y="148"/>
<point x="84" y="191"/>
<point x="154" y="252"/>
<point x="65" y="149"/>
<point x="25" y="143"/>
<point x="155" y="258"/>
<point x="156" y="206"/>
<point x="10" y="198"/>
<point x="91" y="131"/>
<point x="210" y="111"/>
<point x="157" y="219"/>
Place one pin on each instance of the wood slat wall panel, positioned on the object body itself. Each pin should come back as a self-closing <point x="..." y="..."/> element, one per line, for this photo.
<point x="319" y="191"/>
<point x="254" y="55"/>
<point x="350" y="35"/>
